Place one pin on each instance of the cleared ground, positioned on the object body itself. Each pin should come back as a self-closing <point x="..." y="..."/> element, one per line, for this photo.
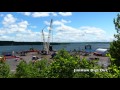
<point x="28" y="57"/>
<point x="105" y="61"/>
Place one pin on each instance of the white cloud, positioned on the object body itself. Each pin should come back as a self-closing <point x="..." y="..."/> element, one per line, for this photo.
<point x="2" y="31"/>
<point x="82" y="34"/>
<point x="18" y="31"/>
<point x="64" y="21"/>
<point x="40" y="14"/>
<point x="8" y="19"/>
<point x="65" y="13"/>
<point x="92" y="30"/>
<point x="54" y="14"/>
<point x="28" y="36"/>
<point x="23" y="24"/>
<point x="19" y="27"/>
<point x="65" y="28"/>
<point x="5" y="38"/>
<point x="57" y="22"/>
<point x="25" y="13"/>
<point x="43" y="14"/>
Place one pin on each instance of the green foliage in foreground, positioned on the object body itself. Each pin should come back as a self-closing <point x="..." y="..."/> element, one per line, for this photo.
<point x="62" y="66"/>
<point x="115" y="45"/>
<point x="4" y="70"/>
<point x="30" y="70"/>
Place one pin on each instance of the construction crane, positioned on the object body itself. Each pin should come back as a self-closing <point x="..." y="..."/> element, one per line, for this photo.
<point x="46" y="45"/>
<point x="48" y="42"/>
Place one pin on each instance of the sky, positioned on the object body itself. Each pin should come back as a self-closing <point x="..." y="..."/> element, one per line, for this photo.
<point x="66" y="26"/>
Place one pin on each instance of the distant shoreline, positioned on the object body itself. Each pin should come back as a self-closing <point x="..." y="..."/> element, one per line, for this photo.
<point x="10" y="43"/>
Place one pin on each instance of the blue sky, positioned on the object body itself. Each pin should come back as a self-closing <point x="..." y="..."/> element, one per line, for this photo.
<point x="66" y="26"/>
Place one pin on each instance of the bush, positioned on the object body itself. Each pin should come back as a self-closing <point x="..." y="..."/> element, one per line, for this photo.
<point x="4" y="70"/>
<point x="30" y="70"/>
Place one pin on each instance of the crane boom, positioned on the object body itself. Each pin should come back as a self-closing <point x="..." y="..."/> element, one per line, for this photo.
<point x="44" y="43"/>
<point x="50" y="29"/>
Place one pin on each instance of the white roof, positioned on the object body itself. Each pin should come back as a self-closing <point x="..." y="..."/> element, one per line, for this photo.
<point x="101" y="50"/>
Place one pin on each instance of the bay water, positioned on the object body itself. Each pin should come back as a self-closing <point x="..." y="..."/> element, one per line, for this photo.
<point x="68" y="47"/>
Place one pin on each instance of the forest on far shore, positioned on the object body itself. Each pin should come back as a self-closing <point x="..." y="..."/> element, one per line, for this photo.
<point x="9" y="43"/>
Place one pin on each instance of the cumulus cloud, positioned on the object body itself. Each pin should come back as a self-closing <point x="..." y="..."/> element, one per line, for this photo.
<point x="22" y="26"/>
<point x="17" y="31"/>
<point x="82" y="34"/>
<point x="58" y="22"/>
<point x="2" y="31"/>
<point x="65" y="13"/>
<point x="9" y="19"/>
<point x="92" y="30"/>
<point x="20" y="31"/>
<point x="16" y="27"/>
<point x="67" y="33"/>
<point x="30" y="36"/>
<point x="45" y="14"/>
<point x="40" y="14"/>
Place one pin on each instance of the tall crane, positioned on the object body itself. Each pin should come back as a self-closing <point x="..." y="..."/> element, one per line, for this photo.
<point x="46" y="45"/>
<point x="48" y="42"/>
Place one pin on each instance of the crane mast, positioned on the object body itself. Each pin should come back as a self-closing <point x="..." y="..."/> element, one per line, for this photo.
<point x="44" y="43"/>
<point x="48" y="42"/>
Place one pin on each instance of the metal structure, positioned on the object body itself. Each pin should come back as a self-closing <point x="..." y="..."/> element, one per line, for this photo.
<point x="46" y="45"/>
<point x="48" y="42"/>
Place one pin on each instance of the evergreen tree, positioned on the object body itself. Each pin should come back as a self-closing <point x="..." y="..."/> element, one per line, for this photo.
<point x="115" y="45"/>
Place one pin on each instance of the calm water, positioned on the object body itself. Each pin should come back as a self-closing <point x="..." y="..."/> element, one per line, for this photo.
<point x="68" y="47"/>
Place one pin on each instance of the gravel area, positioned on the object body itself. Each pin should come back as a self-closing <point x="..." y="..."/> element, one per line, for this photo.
<point x="28" y="57"/>
<point x="105" y="61"/>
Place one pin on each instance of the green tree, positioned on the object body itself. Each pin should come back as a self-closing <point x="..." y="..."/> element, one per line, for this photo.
<point x="31" y="70"/>
<point x="4" y="70"/>
<point x="64" y="64"/>
<point x="115" y="45"/>
<point x="22" y="70"/>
